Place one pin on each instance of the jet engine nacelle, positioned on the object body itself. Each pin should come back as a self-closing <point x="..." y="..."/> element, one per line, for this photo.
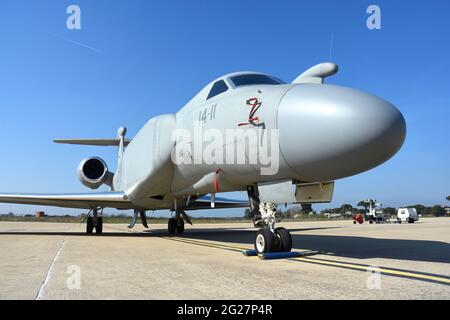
<point x="93" y="172"/>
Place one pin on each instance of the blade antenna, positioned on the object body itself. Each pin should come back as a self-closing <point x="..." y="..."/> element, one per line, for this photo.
<point x="331" y="47"/>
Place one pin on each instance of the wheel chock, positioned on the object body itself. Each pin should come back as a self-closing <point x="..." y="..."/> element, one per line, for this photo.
<point x="279" y="255"/>
<point x="249" y="253"/>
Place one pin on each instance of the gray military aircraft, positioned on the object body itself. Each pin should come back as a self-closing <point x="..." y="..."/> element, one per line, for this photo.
<point x="312" y="133"/>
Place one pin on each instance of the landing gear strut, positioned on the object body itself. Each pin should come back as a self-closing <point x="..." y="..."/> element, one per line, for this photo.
<point x="268" y="238"/>
<point x="94" y="221"/>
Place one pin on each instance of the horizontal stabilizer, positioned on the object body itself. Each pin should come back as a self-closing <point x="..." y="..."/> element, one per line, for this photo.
<point x="93" y="142"/>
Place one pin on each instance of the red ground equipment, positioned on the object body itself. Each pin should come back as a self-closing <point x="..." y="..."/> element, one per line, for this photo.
<point x="358" y="218"/>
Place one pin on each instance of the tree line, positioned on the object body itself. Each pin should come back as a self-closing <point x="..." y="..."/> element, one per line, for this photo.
<point x="361" y="207"/>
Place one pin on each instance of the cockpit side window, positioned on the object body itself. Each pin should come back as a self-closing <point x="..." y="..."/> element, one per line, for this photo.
<point x="218" y="88"/>
<point x="252" y="79"/>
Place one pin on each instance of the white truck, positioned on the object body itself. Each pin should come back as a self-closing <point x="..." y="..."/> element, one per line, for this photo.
<point x="375" y="213"/>
<point x="407" y="215"/>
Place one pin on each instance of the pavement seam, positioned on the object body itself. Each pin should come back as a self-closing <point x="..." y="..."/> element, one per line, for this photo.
<point x="40" y="293"/>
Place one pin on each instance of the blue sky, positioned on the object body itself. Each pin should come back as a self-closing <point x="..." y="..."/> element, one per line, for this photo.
<point x="133" y="60"/>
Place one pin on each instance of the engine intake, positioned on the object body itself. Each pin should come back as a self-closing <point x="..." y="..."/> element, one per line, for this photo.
<point x="93" y="172"/>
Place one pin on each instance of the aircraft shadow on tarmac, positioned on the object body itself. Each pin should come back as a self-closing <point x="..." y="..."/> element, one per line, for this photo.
<point x="342" y="246"/>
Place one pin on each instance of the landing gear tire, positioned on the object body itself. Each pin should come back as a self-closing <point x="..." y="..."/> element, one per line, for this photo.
<point x="180" y="226"/>
<point x="89" y="225"/>
<point x="265" y="241"/>
<point x="172" y="225"/>
<point x="284" y="239"/>
<point x="99" y="226"/>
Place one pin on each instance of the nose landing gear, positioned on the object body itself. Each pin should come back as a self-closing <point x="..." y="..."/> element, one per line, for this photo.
<point x="271" y="239"/>
<point x="268" y="238"/>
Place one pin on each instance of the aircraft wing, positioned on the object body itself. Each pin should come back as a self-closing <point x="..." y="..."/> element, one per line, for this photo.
<point x="81" y="200"/>
<point x="220" y="203"/>
<point x="116" y="200"/>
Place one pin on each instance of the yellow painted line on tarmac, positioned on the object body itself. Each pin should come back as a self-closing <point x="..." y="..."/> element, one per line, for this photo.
<point x="207" y="244"/>
<point x="326" y="262"/>
<point x="382" y="270"/>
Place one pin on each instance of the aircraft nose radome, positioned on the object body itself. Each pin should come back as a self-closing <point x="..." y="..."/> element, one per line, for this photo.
<point x="329" y="132"/>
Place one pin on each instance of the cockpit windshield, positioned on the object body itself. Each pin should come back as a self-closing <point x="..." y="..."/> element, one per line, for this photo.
<point x="252" y="79"/>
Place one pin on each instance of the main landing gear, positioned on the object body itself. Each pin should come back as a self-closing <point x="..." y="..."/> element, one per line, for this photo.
<point x="268" y="238"/>
<point x="94" y="221"/>
<point x="176" y="224"/>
